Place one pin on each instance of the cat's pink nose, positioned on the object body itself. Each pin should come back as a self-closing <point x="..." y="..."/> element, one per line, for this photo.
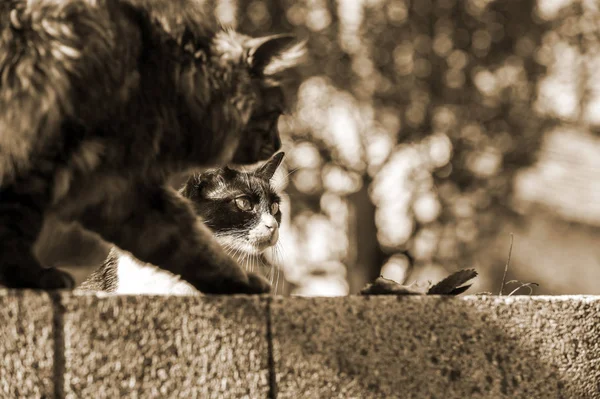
<point x="270" y="226"/>
<point x="269" y="222"/>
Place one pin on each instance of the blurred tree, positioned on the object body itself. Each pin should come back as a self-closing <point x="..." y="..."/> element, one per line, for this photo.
<point x="411" y="123"/>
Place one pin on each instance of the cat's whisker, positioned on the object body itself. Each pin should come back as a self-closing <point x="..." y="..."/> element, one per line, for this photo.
<point x="281" y="181"/>
<point x="239" y="255"/>
<point x="271" y="274"/>
<point x="241" y="258"/>
<point x="276" y="278"/>
<point x="278" y="255"/>
<point x="228" y="248"/>
<point x="243" y="261"/>
<point x="248" y="262"/>
<point x="291" y="172"/>
<point x="230" y="251"/>
<point x="267" y="270"/>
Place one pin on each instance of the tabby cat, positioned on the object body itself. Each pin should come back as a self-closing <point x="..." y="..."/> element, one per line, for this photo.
<point x="241" y="208"/>
<point x="101" y="103"/>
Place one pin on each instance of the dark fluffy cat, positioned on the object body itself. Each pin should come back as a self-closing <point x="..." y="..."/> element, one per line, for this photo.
<point x="101" y="102"/>
<point x="242" y="210"/>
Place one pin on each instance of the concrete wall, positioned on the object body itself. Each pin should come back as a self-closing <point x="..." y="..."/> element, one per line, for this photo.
<point x="79" y="346"/>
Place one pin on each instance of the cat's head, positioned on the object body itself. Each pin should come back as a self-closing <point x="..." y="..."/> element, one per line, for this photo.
<point x="241" y="208"/>
<point x="268" y="59"/>
<point x="245" y="91"/>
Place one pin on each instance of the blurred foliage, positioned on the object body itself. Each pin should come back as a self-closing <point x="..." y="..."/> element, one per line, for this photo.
<point x="411" y="122"/>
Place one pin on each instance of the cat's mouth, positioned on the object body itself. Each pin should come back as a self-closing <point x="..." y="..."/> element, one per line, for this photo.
<point x="263" y="246"/>
<point x="247" y="245"/>
<point x="264" y="242"/>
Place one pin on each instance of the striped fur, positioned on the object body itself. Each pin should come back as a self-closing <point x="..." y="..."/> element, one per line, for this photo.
<point x="101" y="102"/>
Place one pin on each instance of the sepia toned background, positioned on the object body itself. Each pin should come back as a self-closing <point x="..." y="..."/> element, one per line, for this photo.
<point x="425" y="132"/>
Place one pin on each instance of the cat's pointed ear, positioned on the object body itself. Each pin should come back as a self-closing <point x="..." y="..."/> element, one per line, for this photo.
<point x="267" y="50"/>
<point x="192" y="186"/>
<point x="187" y="40"/>
<point x="268" y="169"/>
<point x="196" y="184"/>
<point x="228" y="172"/>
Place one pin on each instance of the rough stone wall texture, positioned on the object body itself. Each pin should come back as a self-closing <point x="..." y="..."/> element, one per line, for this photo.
<point x="165" y="347"/>
<point x="76" y="345"/>
<point x="431" y="347"/>
<point x="26" y="345"/>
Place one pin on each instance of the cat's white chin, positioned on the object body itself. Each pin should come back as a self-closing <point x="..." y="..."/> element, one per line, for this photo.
<point x="237" y="246"/>
<point x="262" y="247"/>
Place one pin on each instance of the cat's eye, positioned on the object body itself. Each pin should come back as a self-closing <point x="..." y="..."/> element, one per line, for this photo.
<point x="243" y="203"/>
<point x="274" y="208"/>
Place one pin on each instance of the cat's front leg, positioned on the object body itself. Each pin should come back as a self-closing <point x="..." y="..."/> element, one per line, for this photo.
<point x="70" y="247"/>
<point x="61" y="244"/>
<point x="160" y="227"/>
<point x="22" y="210"/>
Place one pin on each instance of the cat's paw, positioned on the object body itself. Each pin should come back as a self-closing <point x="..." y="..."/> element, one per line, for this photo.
<point x="54" y="279"/>
<point x="258" y="284"/>
<point x="240" y="283"/>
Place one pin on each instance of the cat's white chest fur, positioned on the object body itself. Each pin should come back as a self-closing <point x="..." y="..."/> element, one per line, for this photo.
<point x="135" y="277"/>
